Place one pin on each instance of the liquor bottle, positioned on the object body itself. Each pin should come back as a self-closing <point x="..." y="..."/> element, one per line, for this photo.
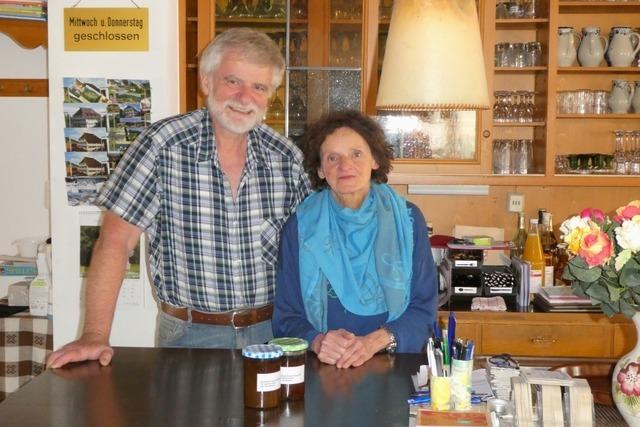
<point x="534" y="255"/>
<point x="549" y="249"/>
<point x="520" y="237"/>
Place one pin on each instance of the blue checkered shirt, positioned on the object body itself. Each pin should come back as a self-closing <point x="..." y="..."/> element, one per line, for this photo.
<point x="207" y="251"/>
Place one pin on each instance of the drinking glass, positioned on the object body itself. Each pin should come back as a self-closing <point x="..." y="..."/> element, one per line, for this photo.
<point x="263" y="9"/>
<point x="619" y="158"/>
<point x="501" y="156"/>
<point x="237" y="9"/>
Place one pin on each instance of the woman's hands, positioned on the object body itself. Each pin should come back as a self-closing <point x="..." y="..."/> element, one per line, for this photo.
<point x="345" y="349"/>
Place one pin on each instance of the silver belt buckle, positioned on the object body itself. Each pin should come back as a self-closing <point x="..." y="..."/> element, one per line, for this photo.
<point x="233" y="317"/>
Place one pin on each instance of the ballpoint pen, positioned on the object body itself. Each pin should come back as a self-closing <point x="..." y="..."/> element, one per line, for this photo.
<point x="419" y="399"/>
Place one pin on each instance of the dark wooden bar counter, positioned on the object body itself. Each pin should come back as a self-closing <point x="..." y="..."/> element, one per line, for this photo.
<point x="182" y="387"/>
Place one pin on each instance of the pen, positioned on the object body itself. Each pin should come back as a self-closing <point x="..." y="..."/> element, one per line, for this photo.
<point x="451" y="329"/>
<point x="418" y="400"/>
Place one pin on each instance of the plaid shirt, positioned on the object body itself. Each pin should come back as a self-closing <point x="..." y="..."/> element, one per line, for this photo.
<point x="207" y="251"/>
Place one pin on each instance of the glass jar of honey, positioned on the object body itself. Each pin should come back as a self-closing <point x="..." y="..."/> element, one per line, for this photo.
<point x="262" y="376"/>
<point x="292" y="367"/>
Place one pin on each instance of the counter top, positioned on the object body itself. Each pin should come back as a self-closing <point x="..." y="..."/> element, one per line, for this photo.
<point x="190" y="387"/>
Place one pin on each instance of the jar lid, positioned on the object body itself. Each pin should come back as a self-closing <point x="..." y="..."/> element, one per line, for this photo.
<point x="289" y="344"/>
<point x="262" y="351"/>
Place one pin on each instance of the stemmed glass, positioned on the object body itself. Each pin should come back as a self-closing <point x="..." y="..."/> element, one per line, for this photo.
<point x="276" y="108"/>
<point x="634" y="153"/>
<point x="619" y="158"/>
<point x="237" y="9"/>
<point x="263" y="9"/>
<point x="278" y="9"/>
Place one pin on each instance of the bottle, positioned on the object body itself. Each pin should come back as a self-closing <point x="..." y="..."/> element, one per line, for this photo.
<point x="549" y="249"/>
<point x="520" y="237"/>
<point x="563" y="259"/>
<point x="39" y="288"/>
<point x="534" y="255"/>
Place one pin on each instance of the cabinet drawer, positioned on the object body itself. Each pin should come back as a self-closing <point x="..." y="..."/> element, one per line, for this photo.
<point x="546" y="340"/>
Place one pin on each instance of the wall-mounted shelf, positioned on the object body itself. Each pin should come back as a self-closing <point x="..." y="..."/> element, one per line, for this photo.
<point x="24" y="87"/>
<point x="27" y="34"/>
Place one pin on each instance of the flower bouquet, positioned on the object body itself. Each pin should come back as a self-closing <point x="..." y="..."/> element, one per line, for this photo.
<point x="604" y="261"/>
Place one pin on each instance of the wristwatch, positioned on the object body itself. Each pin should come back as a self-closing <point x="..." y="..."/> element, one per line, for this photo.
<point x="391" y="347"/>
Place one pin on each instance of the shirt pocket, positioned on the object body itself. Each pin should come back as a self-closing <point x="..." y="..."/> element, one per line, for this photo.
<point x="270" y="239"/>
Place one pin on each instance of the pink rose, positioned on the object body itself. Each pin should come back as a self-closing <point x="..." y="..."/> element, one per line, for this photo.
<point x="594" y="214"/>
<point x="595" y="247"/>
<point x="629" y="379"/>
<point x="627" y="212"/>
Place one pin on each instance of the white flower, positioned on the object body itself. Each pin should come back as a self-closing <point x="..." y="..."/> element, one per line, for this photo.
<point x="628" y="235"/>
<point x="572" y="223"/>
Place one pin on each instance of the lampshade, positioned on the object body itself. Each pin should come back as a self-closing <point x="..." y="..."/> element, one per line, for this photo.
<point x="433" y="58"/>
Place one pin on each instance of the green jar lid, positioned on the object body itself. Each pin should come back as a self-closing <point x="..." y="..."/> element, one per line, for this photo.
<point x="288" y="344"/>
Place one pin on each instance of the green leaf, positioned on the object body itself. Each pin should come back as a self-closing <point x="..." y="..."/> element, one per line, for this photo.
<point x="627" y="309"/>
<point x="614" y="292"/>
<point x="582" y="272"/>
<point x="608" y="310"/>
<point x="630" y="274"/>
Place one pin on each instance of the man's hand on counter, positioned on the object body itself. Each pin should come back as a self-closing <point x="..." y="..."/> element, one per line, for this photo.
<point x="90" y="346"/>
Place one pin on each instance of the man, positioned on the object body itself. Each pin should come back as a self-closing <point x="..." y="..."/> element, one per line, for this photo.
<point x="212" y="189"/>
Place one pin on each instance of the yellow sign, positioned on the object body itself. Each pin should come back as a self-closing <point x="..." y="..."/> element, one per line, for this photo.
<point x="106" y="29"/>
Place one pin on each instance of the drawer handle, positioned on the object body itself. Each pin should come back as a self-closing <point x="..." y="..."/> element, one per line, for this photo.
<point x="543" y="340"/>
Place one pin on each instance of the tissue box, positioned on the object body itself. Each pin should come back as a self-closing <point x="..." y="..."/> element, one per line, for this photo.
<point x="19" y="294"/>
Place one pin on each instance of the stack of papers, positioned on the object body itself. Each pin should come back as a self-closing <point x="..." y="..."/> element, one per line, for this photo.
<point x="499" y="378"/>
<point x="24" y="9"/>
<point x="561" y="298"/>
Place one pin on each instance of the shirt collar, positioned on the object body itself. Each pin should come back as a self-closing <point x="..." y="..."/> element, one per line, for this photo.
<point x="207" y="147"/>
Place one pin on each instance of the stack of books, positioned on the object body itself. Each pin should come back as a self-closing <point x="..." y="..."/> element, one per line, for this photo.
<point x="23" y="9"/>
<point x="561" y="298"/>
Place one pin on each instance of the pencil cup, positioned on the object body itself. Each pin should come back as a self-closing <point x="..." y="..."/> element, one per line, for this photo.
<point x="440" y="393"/>
<point x="461" y="384"/>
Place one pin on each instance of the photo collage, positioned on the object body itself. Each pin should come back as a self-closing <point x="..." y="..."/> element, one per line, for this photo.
<point x="102" y="118"/>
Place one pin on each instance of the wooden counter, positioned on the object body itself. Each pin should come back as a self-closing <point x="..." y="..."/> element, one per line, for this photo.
<point x="589" y="335"/>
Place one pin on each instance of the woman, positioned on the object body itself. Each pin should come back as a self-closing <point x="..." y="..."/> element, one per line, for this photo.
<point x="355" y="271"/>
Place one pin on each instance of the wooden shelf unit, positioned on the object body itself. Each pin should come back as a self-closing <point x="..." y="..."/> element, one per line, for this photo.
<point x="553" y="134"/>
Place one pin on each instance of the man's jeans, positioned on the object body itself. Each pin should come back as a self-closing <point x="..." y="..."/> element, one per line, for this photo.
<point x="173" y="332"/>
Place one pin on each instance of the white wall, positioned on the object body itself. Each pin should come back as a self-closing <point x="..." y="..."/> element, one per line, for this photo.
<point x="134" y="323"/>
<point x="24" y="155"/>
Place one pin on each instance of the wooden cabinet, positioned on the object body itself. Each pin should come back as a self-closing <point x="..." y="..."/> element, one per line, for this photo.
<point x="545" y="334"/>
<point x="328" y="34"/>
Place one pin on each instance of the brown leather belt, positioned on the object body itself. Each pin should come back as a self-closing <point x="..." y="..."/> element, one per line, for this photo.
<point x="237" y="318"/>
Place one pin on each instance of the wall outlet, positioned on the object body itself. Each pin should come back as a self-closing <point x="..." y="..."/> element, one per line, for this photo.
<point x="515" y="202"/>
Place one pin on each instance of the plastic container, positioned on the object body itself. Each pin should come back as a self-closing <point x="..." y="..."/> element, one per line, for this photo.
<point x="262" y="376"/>
<point x="292" y="367"/>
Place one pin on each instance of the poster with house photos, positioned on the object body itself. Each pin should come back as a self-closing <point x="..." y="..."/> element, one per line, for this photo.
<point x="102" y="117"/>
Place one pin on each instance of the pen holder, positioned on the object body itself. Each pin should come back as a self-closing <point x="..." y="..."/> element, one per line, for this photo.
<point x="440" y="393"/>
<point x="461" y="384"/>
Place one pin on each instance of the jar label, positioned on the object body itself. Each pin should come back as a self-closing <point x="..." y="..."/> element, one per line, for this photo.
<point x="292" y="374"/>
<point x="268" y="382"/>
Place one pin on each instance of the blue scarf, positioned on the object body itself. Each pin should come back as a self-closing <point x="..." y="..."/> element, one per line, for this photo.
<point x="364" y="255"/>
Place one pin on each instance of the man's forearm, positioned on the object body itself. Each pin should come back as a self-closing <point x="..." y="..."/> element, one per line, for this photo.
<point x="106" y="272"/>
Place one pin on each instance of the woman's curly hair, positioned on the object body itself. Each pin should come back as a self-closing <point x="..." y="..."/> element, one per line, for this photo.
<point x="360" y="123"/>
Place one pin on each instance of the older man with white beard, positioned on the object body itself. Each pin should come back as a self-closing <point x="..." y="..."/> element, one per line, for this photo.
<point x="212" y="189"/>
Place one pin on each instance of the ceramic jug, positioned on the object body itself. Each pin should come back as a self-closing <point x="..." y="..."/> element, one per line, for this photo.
<point x="623" y="46"/>
<point x="635" y="100"/>
<point x="568" y="41"/>
<point x="592" y="47"/>
<point x="620" y="97"/>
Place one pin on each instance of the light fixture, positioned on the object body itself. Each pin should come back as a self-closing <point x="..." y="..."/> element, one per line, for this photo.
<point x="433" y="58"/>
<point x="449" y="190"/>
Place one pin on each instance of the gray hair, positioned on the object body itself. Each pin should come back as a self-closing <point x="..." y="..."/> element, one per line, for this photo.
<point x="255" y="46"/>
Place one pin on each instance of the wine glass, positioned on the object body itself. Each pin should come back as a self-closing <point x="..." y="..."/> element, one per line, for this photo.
<point x="263" y="9"/>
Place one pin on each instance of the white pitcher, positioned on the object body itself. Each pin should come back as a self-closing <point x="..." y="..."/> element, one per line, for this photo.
<point x="568" y="41"/>
<point x="592" y="47"/>
<point x="620" y="97"/>
<point x="635" y="100"/>
<point x="621" y="50"/>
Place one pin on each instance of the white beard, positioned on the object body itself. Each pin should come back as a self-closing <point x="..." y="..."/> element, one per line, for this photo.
<point x="230" y="121"/>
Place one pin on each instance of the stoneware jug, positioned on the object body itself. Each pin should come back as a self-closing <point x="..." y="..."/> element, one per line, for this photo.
<point x="620" y="97"/>
<point x="568" y="41"/>
<point x="635" y="100"/>
<point x="592" y="47"/>
<point x="623" y="46"/>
